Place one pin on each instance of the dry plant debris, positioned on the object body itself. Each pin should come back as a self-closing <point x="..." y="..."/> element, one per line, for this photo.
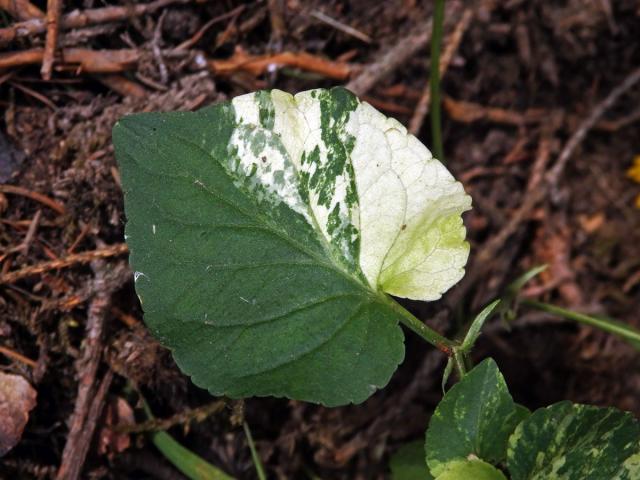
<point x="17" y="399"/>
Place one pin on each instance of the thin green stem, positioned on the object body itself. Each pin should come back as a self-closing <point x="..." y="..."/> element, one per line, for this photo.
<point x="611" y="326"/>
<point x="254" y="453"/>
<point x="434" y="79"/>
<point x="460" y="363"/>
<point x="419" y="328"/>
<point x="190" y="464"/>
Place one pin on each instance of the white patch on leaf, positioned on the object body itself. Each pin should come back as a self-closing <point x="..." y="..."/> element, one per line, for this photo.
<point x="408" y="206"/>
<point x="411" y="233"/>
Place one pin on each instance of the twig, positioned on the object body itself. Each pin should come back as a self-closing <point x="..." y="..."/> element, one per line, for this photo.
<point x="318" y="15"/>
<point x="534" y="193"/>
<point x="38" y="197"/>
<point x="31" y="232"/>
<point x="257" y="65"/>
<point x="64" y="262"/>
<point x="90" y="61"/>
<point x="452" y="46"/>
<point x="397" y="55"/>
<point x="37" y="95"/>
<point x="122" y="85"/>
<point x="21" y="9"/>
<point x="17" y="356"/>
<point x="579" y="135"/>
<point x="89" y="401"/>
<point x="79" y="19"/>
<point x="54" y="9"/>
<point x="155" y="48"/>
<point x="276" y="18"/>
<point x="71" y="468"/>
<point x="468" y="112"/>
<point x="536" y="189"/>
<point x="187" y="44"/>
<point x="190" y="415"/>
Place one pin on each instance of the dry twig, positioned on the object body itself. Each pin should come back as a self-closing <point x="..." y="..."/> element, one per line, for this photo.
<point x="64" y="262"/>
<point x="79" y="19"/>
<point x="54" y="9"/>
<point x="256" y="65"/>
<point x="276" y="18"/>
<point x="38" y="197"/>
<point x="122" y="85"/>
<point x="21" y="9"/>
<point x="90" y="61"/>
<point x="534" y="193"/>
<point x="349" y="30"/>
<point x="89" y="401"/>
<point x="18" y="356"/>
<point x="398" y="55"/>
<point x="193" y="414"/>
<point x="579" y="135"/>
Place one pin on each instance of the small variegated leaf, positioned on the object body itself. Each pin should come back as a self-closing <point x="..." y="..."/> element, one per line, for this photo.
<point x="470" y="470"/>
<point x="264" y="233"/>
<point x="475" y="417"/>
<point x="569" y="441"/>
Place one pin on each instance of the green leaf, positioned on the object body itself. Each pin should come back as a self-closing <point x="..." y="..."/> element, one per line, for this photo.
<point x="575" y="442"/>
<point x="448" y="368"/>
<point x="263" y="233"/>
<point x="475" y="417"/>
<point x="508" y="306"/>
<point x="408" y="463"/>
<point x="515" y="286"/>
<point x="474" y="330"/>
<point x="470" y="470"/>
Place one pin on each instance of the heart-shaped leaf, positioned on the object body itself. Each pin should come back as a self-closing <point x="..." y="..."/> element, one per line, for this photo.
<point x="475" y="417"/>
<point x="265" y="231"/>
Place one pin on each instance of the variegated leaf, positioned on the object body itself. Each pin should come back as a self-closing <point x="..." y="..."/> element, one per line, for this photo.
<point x="474" y="418"/>
<point x="265" y="232"/>
<point x="473" y="469"/>
<point x="569" y="441"/>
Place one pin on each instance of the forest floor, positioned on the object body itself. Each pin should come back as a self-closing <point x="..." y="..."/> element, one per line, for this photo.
<point x="521" y="80"/>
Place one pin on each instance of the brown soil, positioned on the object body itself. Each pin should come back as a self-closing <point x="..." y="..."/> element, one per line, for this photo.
<point x="531" y="72"/>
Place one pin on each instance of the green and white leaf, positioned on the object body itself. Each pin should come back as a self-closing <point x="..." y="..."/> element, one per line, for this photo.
<point x="575" y="442"/>
<point x="475" y="417"/>
<point x="408" y="463"/>
<point x="470" y="470"/>
<point x="265" y="232"/>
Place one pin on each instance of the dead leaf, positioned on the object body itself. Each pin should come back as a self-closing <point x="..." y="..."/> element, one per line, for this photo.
<point x="110" y="442"/>
<point x="591" y="223"/>
<point x="17" y="398"/>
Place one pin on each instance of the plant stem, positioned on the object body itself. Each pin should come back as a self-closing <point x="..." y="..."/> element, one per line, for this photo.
<point x="185" y="460"/>
<point x="424" y="331"/>
<point x="254" y="453"/>
<point x="611" y="326"/>
<point x="193" y="466"/>
<point x="460" y="362"/>
<point x="434" y="79"/>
